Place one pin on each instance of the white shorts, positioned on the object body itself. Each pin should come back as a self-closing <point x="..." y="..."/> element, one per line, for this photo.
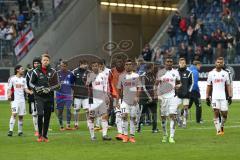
<point x="129" y="109"/>
<point x="98" y="108"/>
<point x="169" y="106"/>
<point x="34" y="109"/>
<point x="184" y="101"/>
<point x="81" y="103"/>
<point x="220" y="104"/>
<point x="18" y="107"/>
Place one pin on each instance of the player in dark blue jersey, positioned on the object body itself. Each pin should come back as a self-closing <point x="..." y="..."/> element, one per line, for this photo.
<point x="64" y="94"/>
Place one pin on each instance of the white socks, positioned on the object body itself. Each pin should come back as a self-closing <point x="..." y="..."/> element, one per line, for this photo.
<point x="35" y="123"/>
<point x="172" y="128"/>
<point x="20" y="126"/>
<point x="125" y="127"/>
<point x="216" y="123"/>
<point x="132" y="126"/>
<point x="164" y="127"/>
<point x="119" y="122"/>
<point x="91" y="128"/>
<point x="12" y="123"/>
<point x="104" y="127"/>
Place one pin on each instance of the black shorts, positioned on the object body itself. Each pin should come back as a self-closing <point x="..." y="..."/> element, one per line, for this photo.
<point x="43" y="105"/>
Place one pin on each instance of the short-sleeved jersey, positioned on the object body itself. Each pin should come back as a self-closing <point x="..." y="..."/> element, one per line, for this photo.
<point x="129" y="84"/>
<point x="218" y="80"/>
<point x="106" y="73"/>
<point x="171" y="76"/>
<point x="18" y="84"/>
<point x="98" y="85"/>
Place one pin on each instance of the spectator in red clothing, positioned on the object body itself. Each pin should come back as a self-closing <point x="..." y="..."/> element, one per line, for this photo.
<point x="183" y="24"/>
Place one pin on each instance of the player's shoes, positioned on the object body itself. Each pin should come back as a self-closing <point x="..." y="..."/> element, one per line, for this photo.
<point x="219" y="133"/>
<point x="155" y="131"/>
<point x="62" y="129"/>
<point x="171" y="140"/>
<point x="125" y="139"/>
<point x="97" y="128"/>
<point x="119" y="136"/>
<point x="10" y="133"/>
<point x="93" y="138"/>
<point x="20" y="134"/>
<point x="184" y="125"/>
<point x="36" y="134"/>
<point x="106" y="138"/>
<point x="164" y="139"/>
<point x="222" y="131"/>
<point x="40" y="139"/>
<point x="132" y="140"/>
<point x="68" y="128"/>
<point x="76" y="127"/>
<point x="45" y="139"/>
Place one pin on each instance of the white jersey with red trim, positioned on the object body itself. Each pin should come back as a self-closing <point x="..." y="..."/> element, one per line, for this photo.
<point x="98" y="85"/>
<point x="171" y="76"/>
<point x="218" y="80"/>
<point x="19" y="84"/>
<point x="129" y="84"/>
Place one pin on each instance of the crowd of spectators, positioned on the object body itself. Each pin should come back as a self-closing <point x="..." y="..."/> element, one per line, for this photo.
<point x="192" y="38"/>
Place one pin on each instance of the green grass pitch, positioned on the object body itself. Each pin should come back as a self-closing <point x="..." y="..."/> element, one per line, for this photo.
<point x="196" y="142"/>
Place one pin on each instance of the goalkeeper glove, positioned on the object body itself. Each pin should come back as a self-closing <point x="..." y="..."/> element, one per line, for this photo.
<point x="208" y="101"/>
<point x="229" y="100"/>
<point x="46" y="90"/>
<point x="38" y="89"/>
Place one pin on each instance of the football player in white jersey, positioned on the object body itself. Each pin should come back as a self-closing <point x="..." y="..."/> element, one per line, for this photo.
<point x="217" y="83"/>
<point x="168" y="100"/>
<point x="129" y="87"/>
<point x="99" y="106"/>
<point x="106" y="72"/>
<point x="16" y="87"/>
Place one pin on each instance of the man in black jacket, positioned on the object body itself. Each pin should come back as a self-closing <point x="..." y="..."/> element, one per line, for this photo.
<point x="147" y="95"/>
<point x="80" y="90"/>
<point x="44" y="80"/>
<point x="31" y="102"/>
<point x="184" y="91"/>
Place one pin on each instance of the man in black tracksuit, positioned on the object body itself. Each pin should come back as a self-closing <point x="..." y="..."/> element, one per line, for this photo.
<point x="147" y="96"/>
<point x="186" y="87"/>
<point x="80" y="90"/>
<point x="31" y="101"/>
<point x="44" y="95"/>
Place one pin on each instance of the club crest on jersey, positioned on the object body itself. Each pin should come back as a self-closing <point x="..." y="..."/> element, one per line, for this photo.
<point x="49" y="74"/>
<point x="222" y="75"/>
<point x="173" y="75"/>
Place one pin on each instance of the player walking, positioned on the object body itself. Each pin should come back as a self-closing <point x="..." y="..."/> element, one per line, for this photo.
<point x="19" y="85"/>
<point x="167" y="81"/>
<point x="218" y="81"/>
<point x="129" y="87"/>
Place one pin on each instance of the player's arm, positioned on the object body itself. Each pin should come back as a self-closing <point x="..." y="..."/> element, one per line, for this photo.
<point x="28" y="91"/>
<point x="178" y="81"/>
<point x="145" y="89"/>
<point x="9" y="91"/>
<point x="191" y="81"/>
<point x="209" y="90"/>
<point x="229" y="90"/>
<point x="119" y="89"/>
<point x="139" y="88"/>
